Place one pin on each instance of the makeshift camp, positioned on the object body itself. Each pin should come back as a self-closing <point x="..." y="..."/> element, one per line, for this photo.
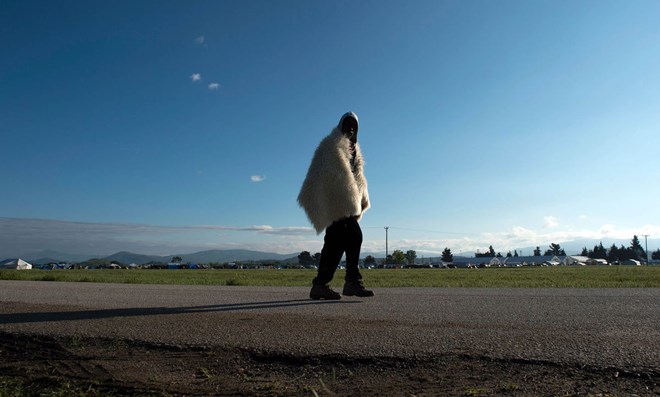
<point x="17" y="264"/>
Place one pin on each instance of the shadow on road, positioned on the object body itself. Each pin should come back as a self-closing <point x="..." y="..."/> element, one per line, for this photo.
<point x="37" y="317"/>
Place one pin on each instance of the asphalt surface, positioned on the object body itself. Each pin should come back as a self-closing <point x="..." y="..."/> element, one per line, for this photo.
<point x="608" y="328"/>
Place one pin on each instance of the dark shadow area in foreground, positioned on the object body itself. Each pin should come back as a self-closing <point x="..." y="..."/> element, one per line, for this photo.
<point x="37" y="317"/>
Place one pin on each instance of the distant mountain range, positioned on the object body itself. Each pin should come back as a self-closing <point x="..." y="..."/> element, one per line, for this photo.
<point x="220" y="256"/>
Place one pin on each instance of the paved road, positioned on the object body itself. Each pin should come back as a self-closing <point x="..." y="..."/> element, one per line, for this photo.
<point x="617" y="328"/>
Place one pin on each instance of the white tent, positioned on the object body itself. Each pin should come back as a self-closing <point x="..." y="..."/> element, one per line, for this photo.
<point x="17" y="264"/>
<point x="576" y="260"/>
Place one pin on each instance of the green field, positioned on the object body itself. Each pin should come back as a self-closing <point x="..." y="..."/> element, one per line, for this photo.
<point x="537" y="277"/>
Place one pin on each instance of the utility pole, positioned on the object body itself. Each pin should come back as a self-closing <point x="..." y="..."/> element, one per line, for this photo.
<point x="646" y="244"/>
<point x="386" y="242"/>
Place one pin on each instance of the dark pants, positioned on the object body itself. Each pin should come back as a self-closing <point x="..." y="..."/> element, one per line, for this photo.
<point x="343" y="236"/>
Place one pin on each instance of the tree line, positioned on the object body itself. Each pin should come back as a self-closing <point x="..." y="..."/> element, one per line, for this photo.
<point x="398" y="257"/>
<point x="614" y="253"/>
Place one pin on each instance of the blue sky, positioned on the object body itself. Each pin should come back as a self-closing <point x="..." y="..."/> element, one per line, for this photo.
<point x="170" y="126"/>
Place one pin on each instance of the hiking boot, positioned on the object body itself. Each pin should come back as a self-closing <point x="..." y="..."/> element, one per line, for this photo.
<point x="323" y="292"/>
<point x="355" y="288"/>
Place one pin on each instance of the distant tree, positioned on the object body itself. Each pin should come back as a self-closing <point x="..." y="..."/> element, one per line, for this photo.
<point x="602" y="251"/>
<point x="447" y="256"/>
<point x="656" y="254"/>
<point x="613" y="254"/>
<point x="599" y="252"/>
<point x="488" y="254"/>
<point x="176" y="259"/>
<point x="515" y="253"/>
<point x="369" y="260"/>
<point x="638" y="252"/>
<point x="411" y="255"/>
<point x="585" y="252"/>
<point x="625" y="253"/>
<point x="499" y="255"/>
<point x="509" y="254"/>
<point x="305" y="258"/>
<point x="491" y="252"/>
<point x="317" y="258"/>
<point x="537" y="251"/>
<point x="398" y="257"/>
<point x="555" y="249"/>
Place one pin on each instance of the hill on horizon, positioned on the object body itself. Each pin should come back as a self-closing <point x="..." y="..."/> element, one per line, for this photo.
<point x="125" y="257"/>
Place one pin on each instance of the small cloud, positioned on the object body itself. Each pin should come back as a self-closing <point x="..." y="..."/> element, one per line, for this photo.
<point x="257" y="178"/>
<point x="214" y="86"/>
<point x="607" y="230"/>
<point x="550" y="222"/>
<point x="583" y="217"/>
<point x="200" y="40"/>
<point x="195" y="77"/>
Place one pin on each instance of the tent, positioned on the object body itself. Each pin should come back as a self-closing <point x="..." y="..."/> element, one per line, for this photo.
<point x="17" y="264"/>
<point x="576" y="260"/>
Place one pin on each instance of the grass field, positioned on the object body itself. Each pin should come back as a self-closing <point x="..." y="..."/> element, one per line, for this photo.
<point x="538" y="277"/>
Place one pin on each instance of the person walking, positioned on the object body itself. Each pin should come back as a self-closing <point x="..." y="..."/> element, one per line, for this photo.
<point x="334" y="196"/>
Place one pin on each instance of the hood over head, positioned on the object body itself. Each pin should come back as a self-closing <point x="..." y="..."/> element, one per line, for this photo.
<point x="348" y="124"/>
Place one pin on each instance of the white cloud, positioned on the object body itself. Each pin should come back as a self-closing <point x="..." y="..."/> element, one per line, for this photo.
<point x="196" y="77"/>
<point x="214" y="86"/>
<point x="607" y="230"/>
<point x="257" y="178"/>
<point x="200" y="40"/>
<point x="550" y="222"/>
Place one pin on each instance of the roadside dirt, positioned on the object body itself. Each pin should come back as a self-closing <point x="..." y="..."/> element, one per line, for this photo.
<point x="37" y="365"/>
